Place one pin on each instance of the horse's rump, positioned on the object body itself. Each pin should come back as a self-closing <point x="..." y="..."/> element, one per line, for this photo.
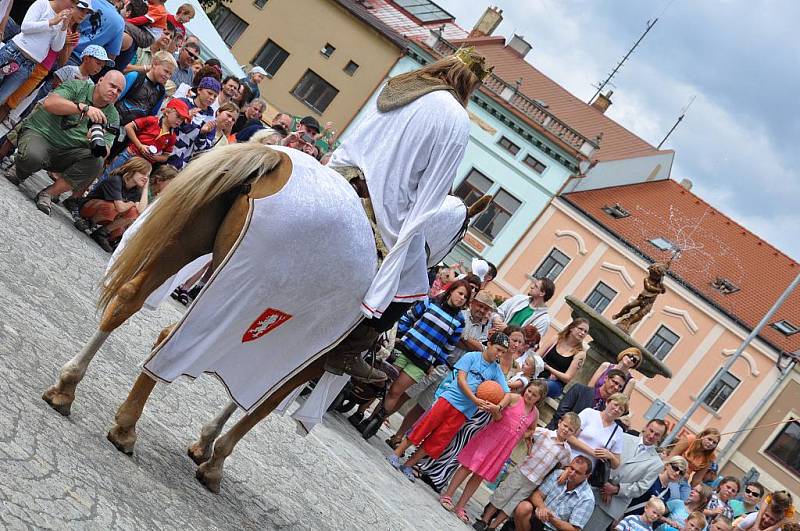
<point x="290" y="289"/>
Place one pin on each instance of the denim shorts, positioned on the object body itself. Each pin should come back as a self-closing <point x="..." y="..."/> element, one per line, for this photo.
<point x="10" y="53"/>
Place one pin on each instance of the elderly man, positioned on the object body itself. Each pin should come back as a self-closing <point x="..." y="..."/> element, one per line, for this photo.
<point x="256" y="76"/>
<point x="56" y="136"/>
<point x="476" y="330"/>
<point x="527" y="309"/>
<point x="563" y="502"/>
<point x="639" y="467"/>
<point x="580" y="397"/>
<point x="251" y="117"/>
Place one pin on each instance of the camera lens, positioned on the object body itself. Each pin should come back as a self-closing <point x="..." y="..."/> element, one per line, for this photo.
<point x="97" y="142"/>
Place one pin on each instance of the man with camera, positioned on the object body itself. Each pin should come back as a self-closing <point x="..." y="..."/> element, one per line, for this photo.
<point x="69" y="133"/>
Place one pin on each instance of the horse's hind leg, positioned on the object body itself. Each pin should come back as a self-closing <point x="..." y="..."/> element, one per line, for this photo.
<point x="123" y="433"/>
<point x="210" y="472"/>
<point x="200" y="450"/>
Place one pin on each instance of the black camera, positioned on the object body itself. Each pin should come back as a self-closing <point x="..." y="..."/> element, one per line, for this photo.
<point x="97" y="142"/>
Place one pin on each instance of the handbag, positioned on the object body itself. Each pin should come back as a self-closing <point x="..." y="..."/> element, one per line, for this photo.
<point x="601" y="472"/>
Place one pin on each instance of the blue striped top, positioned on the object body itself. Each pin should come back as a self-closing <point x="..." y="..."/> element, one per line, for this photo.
<point x="429" y="332"/>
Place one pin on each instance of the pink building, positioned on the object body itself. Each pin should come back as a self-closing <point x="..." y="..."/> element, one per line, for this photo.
<point x="596" y="245"/>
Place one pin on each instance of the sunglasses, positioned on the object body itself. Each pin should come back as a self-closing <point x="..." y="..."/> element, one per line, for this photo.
<point x="676" y="468"/>
<point x="192" y="55"/>
<point x="752" y="493"/>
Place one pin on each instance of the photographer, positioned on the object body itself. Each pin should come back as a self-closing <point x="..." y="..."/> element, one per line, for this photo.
<point x="58" y="136"/>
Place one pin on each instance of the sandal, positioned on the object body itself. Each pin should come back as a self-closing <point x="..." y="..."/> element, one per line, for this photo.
<point x="462" y="515"/>
<point x="408" y="472"/>
<point x="446" y="502"/>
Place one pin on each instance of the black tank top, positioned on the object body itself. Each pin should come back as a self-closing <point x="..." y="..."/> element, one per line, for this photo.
<point x="556" y="361"/>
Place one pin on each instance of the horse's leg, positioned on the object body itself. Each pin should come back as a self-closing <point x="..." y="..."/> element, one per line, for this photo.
<point x="200" y="450"/>
<point x="210" y="472"/>
<point x="130" y="298"/>
<point x="123" y="433"/>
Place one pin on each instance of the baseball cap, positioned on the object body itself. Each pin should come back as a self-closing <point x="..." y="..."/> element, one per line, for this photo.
<point x="84" y="4"/>
<point x="180" y="107"/>
<point x="258" y="70"/>
<point x="484" y="297"/>
<point x="311" y="122"/>
<point x="98" y="52"/>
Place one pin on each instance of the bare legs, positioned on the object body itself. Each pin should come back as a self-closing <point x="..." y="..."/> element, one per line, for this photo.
<point x="469" y="489"/>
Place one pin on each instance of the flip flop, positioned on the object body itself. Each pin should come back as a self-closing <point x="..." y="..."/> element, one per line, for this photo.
<point x="408" y="472"/>
<point x="446" y="502"/>
<point x="462" y="515"/>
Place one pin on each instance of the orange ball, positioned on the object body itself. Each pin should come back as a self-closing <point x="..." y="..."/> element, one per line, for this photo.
<point x="490" y="391"/>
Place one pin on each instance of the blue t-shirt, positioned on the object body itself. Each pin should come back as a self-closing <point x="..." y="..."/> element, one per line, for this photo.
<point x="478" y="371"/>
<point x="104" y="27"/>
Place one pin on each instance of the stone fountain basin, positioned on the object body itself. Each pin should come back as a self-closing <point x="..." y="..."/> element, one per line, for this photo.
<point x="608" y="340"/>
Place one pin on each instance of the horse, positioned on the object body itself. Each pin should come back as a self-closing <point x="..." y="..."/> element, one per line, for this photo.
<point x="209" y="209"/>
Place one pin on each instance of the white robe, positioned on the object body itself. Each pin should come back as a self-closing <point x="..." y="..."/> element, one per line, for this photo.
<point x="409" y="157"/>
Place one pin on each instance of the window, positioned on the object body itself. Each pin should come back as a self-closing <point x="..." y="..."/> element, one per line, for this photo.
<point x="785" y="327"/>
<point x="662" y="342"/>
<point x="552" y="266"/>
<point x="616" y="211"/>
<point x="260" y="3"/>
<point x="271" y="57"/>
<point x="601" y="295"/>
<point x="661" y="243"/>
<point x="724" y="286"/>
<point x="473" y="187"/>
<point x="508" y="145"/>
<point x="786" y="447"/>
<point x="534" y="164"/>
<point x="229" y="26"/>
<point x="328" y="49"/>
<point x="314" y="91"/>
<point x="424" y="10"/>
<point x="497" y="214"/>
<point x="350" y="68"/>
<point x="721" y="391"/>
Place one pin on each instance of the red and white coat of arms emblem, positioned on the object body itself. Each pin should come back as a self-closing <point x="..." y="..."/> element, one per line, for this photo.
<point x="265" y="323"/>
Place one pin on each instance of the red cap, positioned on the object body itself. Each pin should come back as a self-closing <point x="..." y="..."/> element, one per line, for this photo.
<point x="180" y="107"/>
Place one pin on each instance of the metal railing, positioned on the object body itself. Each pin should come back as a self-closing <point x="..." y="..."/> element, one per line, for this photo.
<point x="532" y="109"/>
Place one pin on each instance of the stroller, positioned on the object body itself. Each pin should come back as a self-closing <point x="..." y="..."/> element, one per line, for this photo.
<point x="357" y="393"/>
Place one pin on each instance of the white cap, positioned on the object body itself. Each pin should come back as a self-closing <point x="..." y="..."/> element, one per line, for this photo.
<point x="480" y="268"/>
<point x="85" y="4"/>
<point x="258" y="70"/>
<point x="98" y="52"/>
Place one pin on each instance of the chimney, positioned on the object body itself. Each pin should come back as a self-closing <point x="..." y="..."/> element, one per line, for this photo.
<point x="488" y="22"/>
<point x="603" y="101"/>
<point x="686" y="183"/>
<point x="519" y="45"/>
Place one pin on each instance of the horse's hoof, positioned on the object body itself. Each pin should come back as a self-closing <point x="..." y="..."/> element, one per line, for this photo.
<point x="209" y="479"/>
<point x="61" y="402"/>
<point x="198" y="453"/>
<point x="122" y="441"/>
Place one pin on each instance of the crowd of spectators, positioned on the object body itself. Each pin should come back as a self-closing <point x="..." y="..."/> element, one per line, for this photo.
<point x="588" y="468"/>
<point x="112" y="98"/>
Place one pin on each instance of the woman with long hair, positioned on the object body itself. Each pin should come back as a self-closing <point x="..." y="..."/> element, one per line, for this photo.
<point x="563" y="356"/>
<point x="627" y="360"/>
<point x="699" y="452"/>
<point x="679" y="510"/>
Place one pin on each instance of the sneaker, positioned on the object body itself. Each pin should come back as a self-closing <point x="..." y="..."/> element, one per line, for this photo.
<point x="100" y="236"/>
<point x="82" y="224"/>
<point x="354" y="365"/>
<point x="44" y="202"/>
<point x="73" y="205"/>
<point x="355" y="419"/>
<point x="394" y="461"/>
<point x="408" y="472"/>
<point x="11" y="176"/>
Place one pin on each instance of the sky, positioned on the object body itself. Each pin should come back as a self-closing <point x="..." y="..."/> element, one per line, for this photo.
<point x="740" y="61"/>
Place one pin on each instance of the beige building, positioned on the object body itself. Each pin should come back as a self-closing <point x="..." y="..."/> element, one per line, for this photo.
<point x="323" y="57"/>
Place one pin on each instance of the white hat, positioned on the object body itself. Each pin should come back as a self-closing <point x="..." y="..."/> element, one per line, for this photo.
<point x="258" y="70"/>
<point x="480" y="268"/>
<point x="85" y="4"/>
<point x="98" y="52"/>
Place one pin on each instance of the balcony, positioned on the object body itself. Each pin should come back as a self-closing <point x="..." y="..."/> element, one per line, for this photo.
<point x="530" y="108"/>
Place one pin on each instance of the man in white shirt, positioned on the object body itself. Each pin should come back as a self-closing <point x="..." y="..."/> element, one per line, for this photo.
<point x="522" y="310"/>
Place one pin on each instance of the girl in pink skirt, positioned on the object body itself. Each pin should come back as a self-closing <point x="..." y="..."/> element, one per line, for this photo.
<point x="484" y="455"/>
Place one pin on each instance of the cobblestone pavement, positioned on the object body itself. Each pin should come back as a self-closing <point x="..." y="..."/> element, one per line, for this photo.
<point x="61" y="473"/>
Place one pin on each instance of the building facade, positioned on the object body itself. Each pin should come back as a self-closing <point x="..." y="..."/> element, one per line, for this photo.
<point x="322" y="57"/>
<point x="596" y="245"/>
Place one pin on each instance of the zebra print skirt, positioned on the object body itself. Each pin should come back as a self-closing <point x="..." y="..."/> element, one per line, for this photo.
<point x="438" y="472"/>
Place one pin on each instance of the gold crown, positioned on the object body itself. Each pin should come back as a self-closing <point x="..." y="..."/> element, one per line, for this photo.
<point x="476" y="63"/>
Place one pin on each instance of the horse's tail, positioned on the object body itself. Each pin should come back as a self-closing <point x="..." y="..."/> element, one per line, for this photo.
<point x="201" y="182"/>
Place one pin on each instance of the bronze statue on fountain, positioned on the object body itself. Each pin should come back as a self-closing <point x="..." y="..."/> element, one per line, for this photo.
<point x="634" y="311"/>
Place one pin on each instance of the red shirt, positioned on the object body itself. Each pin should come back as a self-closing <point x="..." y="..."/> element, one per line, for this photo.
<point x="148" y="130"/>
